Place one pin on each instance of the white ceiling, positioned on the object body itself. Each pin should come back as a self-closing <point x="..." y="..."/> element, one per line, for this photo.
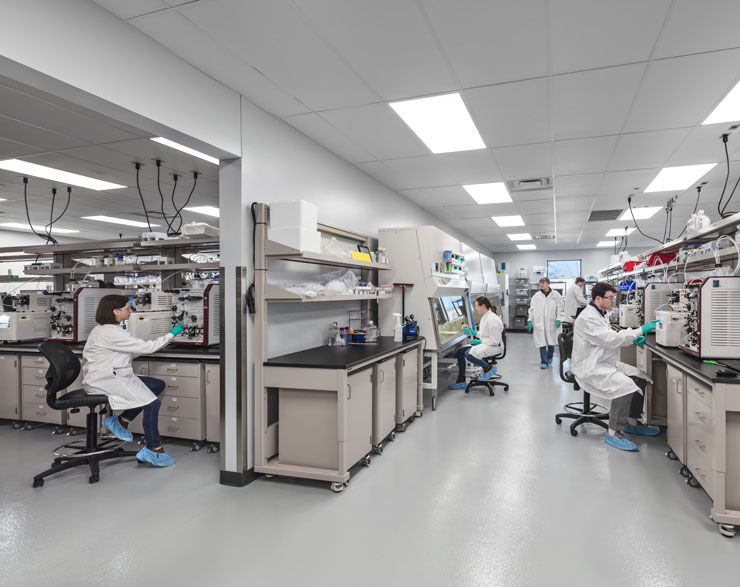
<point x="596" y="94"/>
<point x="44" y="130"/>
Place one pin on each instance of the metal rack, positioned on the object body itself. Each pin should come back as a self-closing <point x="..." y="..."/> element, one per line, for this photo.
<point x="520" y="305"/>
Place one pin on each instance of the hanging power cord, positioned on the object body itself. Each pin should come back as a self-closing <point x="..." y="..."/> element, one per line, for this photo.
<point x="141" y="196"/>
<point x="696" y="207"/>
<point x="625" y="239"/>
<point x="629" y="202"/>
<point x="28" y="215"/>
<point x="161" y="196"/>
<point x="172" y="198"/>
<point x="52" y="221"/>
<point x="720" y="209"/>
<point x="49" y="226"/>
<point x="187" y="201"/>
<point x="250" y="289"/>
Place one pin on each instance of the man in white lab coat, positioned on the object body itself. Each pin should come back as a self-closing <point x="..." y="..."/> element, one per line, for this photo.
<point x="545" y="314"/>
<point x="596" y="369"/>
<point x="573" y="300"/>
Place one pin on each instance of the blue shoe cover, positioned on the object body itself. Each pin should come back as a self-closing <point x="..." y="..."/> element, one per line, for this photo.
<point x="158" y="459"/>
<point x="620" y="443"/>
<point x="462" y="385"/>
<point x="487" y="375"/>
<point x="543" y="365"/>
<point x="112" y="424"/>
<point x="643" y="430"/>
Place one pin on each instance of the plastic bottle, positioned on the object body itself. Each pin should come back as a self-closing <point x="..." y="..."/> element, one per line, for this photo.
<point x="397" y="329"/>
<point x="371" y="332"/>
<point x="333" y="333"/>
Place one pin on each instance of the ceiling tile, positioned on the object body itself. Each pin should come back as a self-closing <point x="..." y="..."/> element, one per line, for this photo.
<point x="386" y="42"/>
<point x="516" y="113"/>
<point x="620" y="184"/>
<point x="534" y="206"/>
<point x="483" y="211"/>
<point x="416" y="172"/>
<point x="704" y="145"/>
<point x="441" y="196"/>
<point x="481" y="223"/>
<point x="682" y="91"/>
<point x="593" y="103"/>
<point x="131" y="8"/>
<point x="491" y="42"/>
<point x="318" y="129"/>
<point x="580" y="205"/>
<point x="532" y="195"/>
<point x="587" y="34"/>
<point x="42" y="139"/>
<point x="646" y="149"/>
<point x="577" y="185"/>
<point x="468" y="167"/>
<point x="583" y="155"/>
<point x="525" y="162"/>
<point x="12" y="150"/>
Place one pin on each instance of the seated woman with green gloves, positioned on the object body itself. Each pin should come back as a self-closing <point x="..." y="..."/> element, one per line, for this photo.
<point x="486" y="344"/>
<point x="107" y="370"/>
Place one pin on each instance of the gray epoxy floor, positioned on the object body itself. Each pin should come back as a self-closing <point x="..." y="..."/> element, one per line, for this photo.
<point x="485" y="491"/>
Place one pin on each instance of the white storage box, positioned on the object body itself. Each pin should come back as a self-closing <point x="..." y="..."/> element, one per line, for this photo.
<point x="298" y="213"/>
<point x="296" y="237"/>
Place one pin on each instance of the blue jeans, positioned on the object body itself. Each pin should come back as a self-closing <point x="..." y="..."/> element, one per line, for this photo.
<point x="546" y="353"/>
<point x="463" y="354"/>
<point x="151" y="413"/>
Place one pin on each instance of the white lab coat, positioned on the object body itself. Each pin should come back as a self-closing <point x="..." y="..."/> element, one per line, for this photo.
<point x="573" y="300"/>
<point x="489" y="333"/>
<point x="594" y="359"/>
<point x="106" y="365"/>
<point x="543" y="312"/>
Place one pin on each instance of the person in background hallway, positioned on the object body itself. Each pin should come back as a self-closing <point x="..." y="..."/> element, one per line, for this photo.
<point x="545" y="314"/>
<point x="573" y="300"/>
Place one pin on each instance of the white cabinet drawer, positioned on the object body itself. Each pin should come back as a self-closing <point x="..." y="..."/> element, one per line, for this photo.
<point x="40" y="412"/>
<point x="174" y="426"/>
<point x="34" y="361"/>
<point x="160" y="369"/>
<point x="33" y="376"/>
<point x="34" y="394"/>
<point x="182" y="407"/>
<point x="141" y="367"/>
<point x="701" y="467"/>
<point x="182" y="386"/>
<point x="700" y="390"/>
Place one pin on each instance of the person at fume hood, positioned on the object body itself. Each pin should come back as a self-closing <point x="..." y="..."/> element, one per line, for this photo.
<point x="596" y="369"/>
<point x="545" y="314"/>
<point x="573" y="300"/>
<point x="487" y="343"/>
<point x="106" y="369"/>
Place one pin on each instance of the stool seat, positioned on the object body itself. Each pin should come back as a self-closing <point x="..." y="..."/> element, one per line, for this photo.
<point x="79" y="399"/>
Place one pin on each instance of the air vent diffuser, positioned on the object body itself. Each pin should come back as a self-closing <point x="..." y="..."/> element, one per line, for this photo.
<point x="602" y="215"/>
<point x="527" y="185"/>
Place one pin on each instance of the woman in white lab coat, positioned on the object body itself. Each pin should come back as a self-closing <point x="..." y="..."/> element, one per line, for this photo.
<point x="487" y="342"/>
<point x="107" y="370"/>
<point x="545" y="314"/>
<point x="595" y="366"/>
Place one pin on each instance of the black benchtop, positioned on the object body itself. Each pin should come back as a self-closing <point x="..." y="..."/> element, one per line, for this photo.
<point x="171" y="349"/>
<point x="691" y="363"/>
<point x="341" y="357"/>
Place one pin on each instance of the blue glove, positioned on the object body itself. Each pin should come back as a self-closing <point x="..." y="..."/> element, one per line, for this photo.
<point x="469" y="331"/>
<point x="529" y="326"/>
<point x="640" y="340"/>
<point x="557" y="323"/>
<point x="649" y="326"/>
<point x="475" y="342"/>
<point x="177" y="328"/>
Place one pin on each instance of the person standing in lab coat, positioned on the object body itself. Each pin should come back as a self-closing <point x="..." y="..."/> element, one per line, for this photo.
<point x="545" y="314"/>
<point x="107" y="370"/>
<point x="596" y="369"/>
<point x="573" y="300"/>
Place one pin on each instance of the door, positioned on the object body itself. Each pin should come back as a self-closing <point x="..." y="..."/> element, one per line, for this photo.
<point x="359" y="417"/>
<point x="10" y="388"/>
<point x="676" y="400"/>
<point x="213" y="402"/>
<point x="384" y="399"/>
<point x="406" y="385"/>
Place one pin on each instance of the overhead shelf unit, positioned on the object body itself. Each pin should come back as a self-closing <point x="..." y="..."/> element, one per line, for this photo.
<point x="267" y="450"/>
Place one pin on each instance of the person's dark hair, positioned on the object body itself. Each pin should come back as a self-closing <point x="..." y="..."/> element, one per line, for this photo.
<point x="599" y="290"/>
<point x="106" y="305"/>
<point x="545" y="279"/>
<point x="484" y="301"/>
<point x="580" y="280"/>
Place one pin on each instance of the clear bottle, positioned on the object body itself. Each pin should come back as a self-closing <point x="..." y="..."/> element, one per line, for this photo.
<point x="372" y="332"/>
<point x="333" y="333"/>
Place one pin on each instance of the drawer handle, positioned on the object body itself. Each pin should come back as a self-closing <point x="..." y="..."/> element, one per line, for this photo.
<point x="171" y="368"/>
<point x="173" y="408"/>
<point x="173" y="386"/>
<point x="703" y="447"/>
<point x="38" y="360"/>
<point x="39" y="395"/>
<point x="173" y="428"/>
<point x="701" y="416"/>
<point x="41" y="413"/>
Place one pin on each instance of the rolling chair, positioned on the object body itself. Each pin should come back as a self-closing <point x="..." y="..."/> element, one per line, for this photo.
<point x="582" y="412"/>
<point x="496" y="378"/>
<point x="63" y="370"/>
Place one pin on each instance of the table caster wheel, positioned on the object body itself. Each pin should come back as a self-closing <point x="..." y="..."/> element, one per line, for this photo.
<point x="38" y="482"/>
<point x="94" y="478"/>
<point x="671" y="455"/>
<point x="727" y="530"/>
<point x="684" y="471"/>
<point x="365" y="460"/>
<point x="692" y="482"/>
<point x="268" y="476"/>
<point x="392" y="436"/>
<point x="378" y="449"/>
<point x="337" y="487"/>
<point x="558" y="420"/>
<point x="17" y="425"/>
<point x="418" y="414"/>
<point x="196" y="446"/>
<point x="573" y="432"/>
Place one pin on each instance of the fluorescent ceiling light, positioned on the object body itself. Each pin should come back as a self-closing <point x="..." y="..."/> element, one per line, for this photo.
<point x="678" y="178"/>
<point x="40" y="229"/>
<point x="504" y="221"/>
<point x="489" y="193"/>
<point x="184" y="149"/>
<point x="65" y="177"/>
<point x="526" y="247"/>
<point x="113" y="220"/>
<point x="441" y="122"/>
<point x="728" y="110"/>
<point x="3" y="199"/>
<point x="605" y="244"/>
<point x="620" y="231"/>
<point x="640" y="213"/>
<point x="208" y="210"/>
<point x="523" y="236"/>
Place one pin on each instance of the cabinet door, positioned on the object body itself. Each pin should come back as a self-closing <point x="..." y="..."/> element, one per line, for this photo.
<point x="406" y="385"/>
<point x="213" y="403"/>
<point x="9" y="387"/>
<point x="358" y="417"/>
<point x="384" y="399"/>
<point x="676" y="400"/>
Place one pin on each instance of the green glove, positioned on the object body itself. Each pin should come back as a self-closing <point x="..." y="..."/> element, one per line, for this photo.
<point x="640" y="340"/>
<point x="177" y="328"/>
<point x="649" y="326"/>
<point x="529" y="326"/>
<point x="469" y="331"/>
<point x="557" y="323"/>
<point x="475" y="342"/>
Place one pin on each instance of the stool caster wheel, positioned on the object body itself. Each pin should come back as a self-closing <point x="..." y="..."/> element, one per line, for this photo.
<point x="506" y="388"/>
<point x="727" y="530"/>
<point x="38" y="482"/>
<point x="392" y="436"/>
<point x="490" y="392"/>
<point x="573" y="432"/>
<point x="94" y="478"/>
<point x="337" y="487"/>
<point x="365" y="460"/>
<point x="378" y="449"/>
<point x="671" y="455"/>
<point x="558" y="420"/>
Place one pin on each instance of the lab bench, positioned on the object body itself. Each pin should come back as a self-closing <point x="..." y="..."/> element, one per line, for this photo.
<point x="702" y="413"/>
<point x="190" y="402"/>
<point x="328" y="407"/>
